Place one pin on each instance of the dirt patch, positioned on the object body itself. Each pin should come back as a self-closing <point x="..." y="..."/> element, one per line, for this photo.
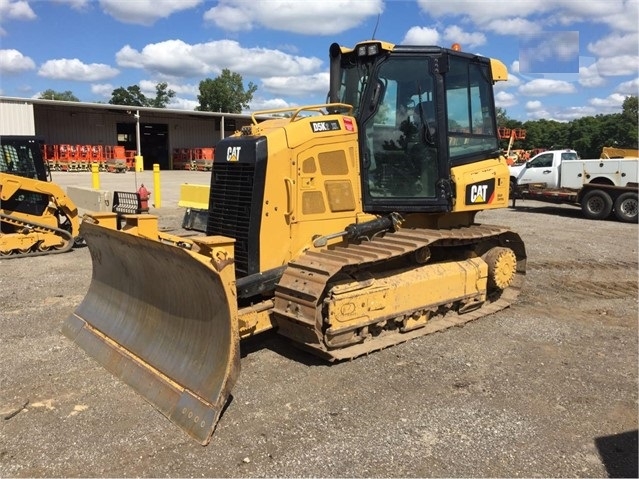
<point x="545" y="388"/>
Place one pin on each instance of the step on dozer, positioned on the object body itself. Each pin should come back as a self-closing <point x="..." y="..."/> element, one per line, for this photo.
<point x="179" y="350"/>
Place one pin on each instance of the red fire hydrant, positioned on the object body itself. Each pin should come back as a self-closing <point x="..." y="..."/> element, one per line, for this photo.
<point x="144" y="199"/>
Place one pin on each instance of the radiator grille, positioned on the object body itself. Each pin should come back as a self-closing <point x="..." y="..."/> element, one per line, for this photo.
<point x="230" y="207"/>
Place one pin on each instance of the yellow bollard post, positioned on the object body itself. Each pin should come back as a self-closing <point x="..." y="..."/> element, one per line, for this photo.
<point x="139" y="163"/>
<point x="156" y="186"/>
<point x="95" y="176"/>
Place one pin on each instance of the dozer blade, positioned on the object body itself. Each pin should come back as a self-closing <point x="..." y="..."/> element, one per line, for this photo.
<point x="163" y="321"/>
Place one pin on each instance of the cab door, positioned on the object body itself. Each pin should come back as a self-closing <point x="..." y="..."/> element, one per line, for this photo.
<point x="539" y="170"/>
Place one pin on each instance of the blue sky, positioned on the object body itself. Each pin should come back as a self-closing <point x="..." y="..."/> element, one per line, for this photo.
<point x="566" y="58"/>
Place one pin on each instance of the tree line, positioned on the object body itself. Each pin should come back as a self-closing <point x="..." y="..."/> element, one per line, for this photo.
<point x="587" y="135"/>
<point x="225" y="93"/>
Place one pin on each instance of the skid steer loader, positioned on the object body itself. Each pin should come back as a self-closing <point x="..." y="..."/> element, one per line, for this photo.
<point x="36" y="215"/>
<point x="348" y="227"/>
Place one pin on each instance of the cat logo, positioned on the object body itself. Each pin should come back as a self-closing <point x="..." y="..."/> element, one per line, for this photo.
<point x="233" y="153"/>
<point x="480" y="193"/>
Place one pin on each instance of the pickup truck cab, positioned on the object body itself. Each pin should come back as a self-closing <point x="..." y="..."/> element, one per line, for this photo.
<point x="542" y="168"/>
<point x="599" y="186"/>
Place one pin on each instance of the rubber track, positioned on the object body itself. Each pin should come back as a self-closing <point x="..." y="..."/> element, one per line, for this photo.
<point x="303" y="285"/>
<point x="41" y="229"/>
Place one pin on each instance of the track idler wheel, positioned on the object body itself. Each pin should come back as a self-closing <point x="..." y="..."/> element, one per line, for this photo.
<point x="502" y="267"/>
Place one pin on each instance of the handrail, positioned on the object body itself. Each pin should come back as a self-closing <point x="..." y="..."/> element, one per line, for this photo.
<point x="298" y="109"/>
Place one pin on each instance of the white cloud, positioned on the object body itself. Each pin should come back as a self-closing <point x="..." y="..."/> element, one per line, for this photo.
<point x="103" y="90"/>
<point x="180" y="59"/>
<point x="16" y="10"/>
<point x="258" y="104"/>
<point x="510" y="26"/>
<point x="182" y="104"/>
<point x="75" y="4"/>
<point x="618" y="65"/>
<point x="616" y="44"/>
<point x="535" y="110"/>
<point x="145" y="12"/>
<point x="13" y="62"/>
<point x="454" y="34"/>
<point x="421" y="36"/>
<point x="546" y="86"/>
<point x="629" y="87"/>
<point x="327" y="17"/>
<point x="504" y="99"/>
<point x="148" y="88"/>
<point x="613" y="102"/>
<point x="589" y="76"/>
<point x="297" y="85"/>
<point x="497" y="16"/>
<point x="74" y="69"/>
<point x="596" y="73"/>
<point x="574" y="112"/>
<point x="533" y="105"/>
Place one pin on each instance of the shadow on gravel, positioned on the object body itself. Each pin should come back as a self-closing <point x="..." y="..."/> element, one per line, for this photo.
<point x="280" y="345"/>
<point x="548" y="210"/>
<point x="619" y="453"/>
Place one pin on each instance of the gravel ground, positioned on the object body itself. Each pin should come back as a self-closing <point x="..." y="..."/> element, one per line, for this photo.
<point x="545" y="388"/>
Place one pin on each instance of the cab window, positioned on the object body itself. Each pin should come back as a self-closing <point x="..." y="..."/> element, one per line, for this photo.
<point x="542" y="161"/>
<point x="400" y="145"/>
<point x="469" y="101"/>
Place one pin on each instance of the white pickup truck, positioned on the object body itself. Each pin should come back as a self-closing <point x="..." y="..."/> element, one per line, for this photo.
<point x="600" y="187"/>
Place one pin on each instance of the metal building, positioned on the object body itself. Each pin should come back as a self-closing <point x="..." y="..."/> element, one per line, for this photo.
<point x="161" y="131"/>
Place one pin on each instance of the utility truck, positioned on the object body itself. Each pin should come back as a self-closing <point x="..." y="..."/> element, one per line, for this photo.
<point x="601" y="187"/>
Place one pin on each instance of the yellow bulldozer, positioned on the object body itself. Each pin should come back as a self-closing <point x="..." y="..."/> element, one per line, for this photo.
<point x="347" y="227"/>
<point x="36" y="215"/>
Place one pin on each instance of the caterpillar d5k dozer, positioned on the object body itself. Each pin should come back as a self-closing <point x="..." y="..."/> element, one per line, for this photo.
<point x="348" y="227"/>
<point x="36" y="215"/>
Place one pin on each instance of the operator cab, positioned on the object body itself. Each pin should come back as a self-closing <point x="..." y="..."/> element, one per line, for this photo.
<point x="420" y="111"/>
<point x="21" y="156"/>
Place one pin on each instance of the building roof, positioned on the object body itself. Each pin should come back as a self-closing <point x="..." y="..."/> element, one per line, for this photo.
<point x="122" y="108"/>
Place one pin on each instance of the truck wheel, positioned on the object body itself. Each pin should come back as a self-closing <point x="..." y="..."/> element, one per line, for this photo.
<point x="626" y="207"/>
<point x="596" y="205"/>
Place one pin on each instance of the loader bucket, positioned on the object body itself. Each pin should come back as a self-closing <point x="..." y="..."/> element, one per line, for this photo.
<point x="163" y="321"/>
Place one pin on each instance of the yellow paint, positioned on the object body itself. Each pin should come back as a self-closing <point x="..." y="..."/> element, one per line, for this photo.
<point x="395" y="297"/>
<point x="95" y="176"/>
<point x="194" y="196"/>
<point x="156" y="186"/>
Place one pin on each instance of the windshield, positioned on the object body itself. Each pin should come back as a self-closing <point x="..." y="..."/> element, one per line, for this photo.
<point x="17" y="159"/>
<point x="354" y="78"/>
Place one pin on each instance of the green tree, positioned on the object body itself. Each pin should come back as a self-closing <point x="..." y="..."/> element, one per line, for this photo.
<point x="162" y="96"/>
<point x="225" y="93"/>
<point x="56" y="95"/>
<point x="630" y="120"/>
<point x="501" y="115"/>
<point x="548" y="134"/>
<point x="131" y="96"/>
<point x="630" y="108"/>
